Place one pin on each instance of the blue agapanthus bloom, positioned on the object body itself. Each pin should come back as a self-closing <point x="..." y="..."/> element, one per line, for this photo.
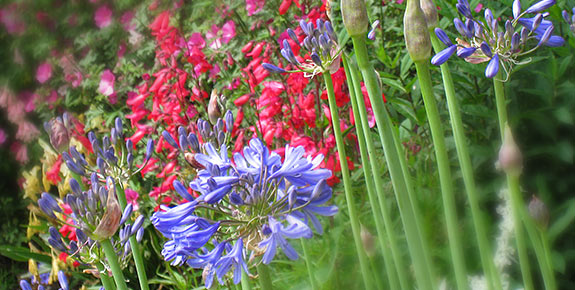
<point x="44" y="282"/>
<point x="248" y="205"/>
<point x="484" y="41"/>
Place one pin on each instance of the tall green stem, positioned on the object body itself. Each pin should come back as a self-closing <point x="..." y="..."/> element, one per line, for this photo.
<point x="136" y="250"/>
<point x="399" y="173"/>
<point x="306" y="256"/>
<point x="264" y="277"/>
<point x="365" y="270"/>
<point x="467" y="172"/>
<point x="445" y="180"/>
<point x="374" y="171"/>
<point x="548" y="276"/>
<point x="106" y="280"/>
<point x="114" y="264"/>
<point x="517" y="205"/>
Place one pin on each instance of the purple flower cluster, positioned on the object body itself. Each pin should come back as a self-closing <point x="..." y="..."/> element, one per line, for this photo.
<point x="96" y="215"/>
<point x="320" y="42"/>
<point x="248" y="203"/>
<point x="482" y="41"/>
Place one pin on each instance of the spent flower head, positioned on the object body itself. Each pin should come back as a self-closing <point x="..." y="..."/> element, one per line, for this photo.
<point x="501" y="45"/>
<point x="249" y="203"/>
<point x="320" y="43"/>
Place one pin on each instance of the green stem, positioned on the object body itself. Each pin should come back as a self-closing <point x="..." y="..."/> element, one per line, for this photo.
<point x="548" y="276"/>
<point x="306" y="256"/>
<point x="513" y="186"/>
<point x="246" y="281"/>
<point x="264" y="277"/>
<point x="368" y="282"/>
<point x="516" y="204"/>
<point x="114" y="264"/>
<point x="445" y="179"/>
<point x="467" y="172"/>
<point x="404" y="193"/>
<point x="136" y="250"/>
<point x="501" y="105"/>
<point x="372" y="170"/>
<point x="106" y="280"/>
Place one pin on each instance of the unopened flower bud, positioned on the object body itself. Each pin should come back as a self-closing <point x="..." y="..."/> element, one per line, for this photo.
<point x="510" y="159"/>
<point x="430" y="11"/>
<point x="415" y="32"/>
<point x="191" y="158"/>
<point x="354" y="16"/>
<point x="214" y="108"/>
<point x="59" y="137"/>
<point x="368" y="241"/>
<point x="539" y="212"/>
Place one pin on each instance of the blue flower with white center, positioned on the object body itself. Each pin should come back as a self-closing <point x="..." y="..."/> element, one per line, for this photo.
<point x="254" y="201"/>
<point x="484" y="41"/>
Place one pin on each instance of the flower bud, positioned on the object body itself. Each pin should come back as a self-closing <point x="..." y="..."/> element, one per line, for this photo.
<point x="430" y="11"/>
<point x="213" y="108"/>
<point x="59" y="137"/>
<point x="368" y="241"/>
<point x="191" y="158"/>
<point x="539" y="212"/>
<point x="415" y="32"/>
<point x="510" y="159"/>
<point x="354" y="16"/>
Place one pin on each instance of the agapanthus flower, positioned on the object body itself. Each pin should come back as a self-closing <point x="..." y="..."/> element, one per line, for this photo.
<point x="482" y="40"/>
<point x="255" y="203"/>
<point x="95" y="215"/>
<point x="320" y="43"/>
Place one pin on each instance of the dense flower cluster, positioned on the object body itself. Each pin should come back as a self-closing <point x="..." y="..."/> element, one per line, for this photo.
<point x="250" y="203"/>
<point x="482" y="41"/>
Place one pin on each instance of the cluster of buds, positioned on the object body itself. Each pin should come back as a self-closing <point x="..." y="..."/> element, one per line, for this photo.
<point x="113" y="157"/>
<point x="250" y="203"/>
<point x="483" y="41"/>
<point x="320" y="43"/>
<point x="570" y="19"/>
<point x="96" y="215"/>
<point x="189" y="143"/>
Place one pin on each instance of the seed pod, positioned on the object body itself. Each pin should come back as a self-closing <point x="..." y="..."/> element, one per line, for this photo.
<point x="59" y="137"/>
<point x="354" y="16"/>
<point x="415" y="32"/>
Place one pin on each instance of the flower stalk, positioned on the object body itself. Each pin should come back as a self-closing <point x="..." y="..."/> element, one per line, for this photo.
<point x="368" y="282"/>
<point x="114" y="265"/>
<point x="467" y="171"/>
<point x="106" y="280"/>
<point x="372" y="170"/>
<point x="136" y="251"/>
<point x="264" y="277"/>
<point x="398" y="170"/>
<point x="306" y="256"/>
<point x="445" y="179"/>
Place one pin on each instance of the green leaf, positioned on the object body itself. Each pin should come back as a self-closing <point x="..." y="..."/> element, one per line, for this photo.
<point x="22" y="254"/>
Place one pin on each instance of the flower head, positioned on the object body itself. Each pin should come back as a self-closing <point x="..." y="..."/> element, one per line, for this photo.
<point x="485" y="41"/>
<point x="256" y="202"/>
